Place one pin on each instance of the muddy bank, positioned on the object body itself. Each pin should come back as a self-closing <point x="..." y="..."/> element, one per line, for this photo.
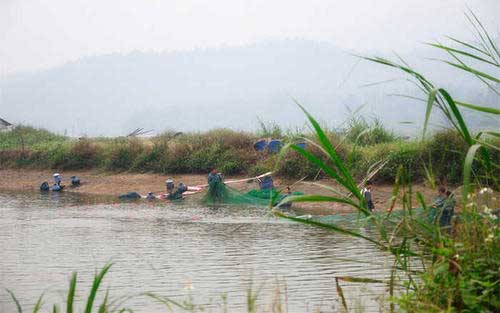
<point x="113" y="184"/>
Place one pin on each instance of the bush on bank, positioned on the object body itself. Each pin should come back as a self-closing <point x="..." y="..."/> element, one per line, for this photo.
<point x="231" y="151"/>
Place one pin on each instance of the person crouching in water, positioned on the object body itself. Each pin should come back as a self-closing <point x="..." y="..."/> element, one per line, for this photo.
<point x="150" y="196"/>
<point x="266" y="183"/>
<point x="367" y="194"/>
<point x="175" y="193"/>
<point x="57" y="182"/>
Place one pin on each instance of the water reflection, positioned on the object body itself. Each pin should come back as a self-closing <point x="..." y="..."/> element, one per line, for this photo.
<point x="175" y="250"/>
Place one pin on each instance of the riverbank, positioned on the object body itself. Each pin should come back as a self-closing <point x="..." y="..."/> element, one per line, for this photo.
<point x="113" y="184"/>
<point x="233" y="153"/>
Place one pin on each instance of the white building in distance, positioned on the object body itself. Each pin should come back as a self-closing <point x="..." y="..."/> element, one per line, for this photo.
<point x="5" y="126"/>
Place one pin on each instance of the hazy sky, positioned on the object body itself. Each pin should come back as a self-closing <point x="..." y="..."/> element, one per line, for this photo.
<point x="36" y="34"/>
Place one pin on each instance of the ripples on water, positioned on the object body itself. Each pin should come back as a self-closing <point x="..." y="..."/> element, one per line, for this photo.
<point x="175" y="250"/>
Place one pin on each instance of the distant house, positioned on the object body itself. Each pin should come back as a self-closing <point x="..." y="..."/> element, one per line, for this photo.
<point x="4" y="125"/>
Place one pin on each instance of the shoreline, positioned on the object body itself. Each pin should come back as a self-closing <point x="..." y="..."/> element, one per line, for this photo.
<point x="109" y="184"/>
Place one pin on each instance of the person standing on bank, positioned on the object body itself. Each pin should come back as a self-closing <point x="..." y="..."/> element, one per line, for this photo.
<point x="367" y="194"/>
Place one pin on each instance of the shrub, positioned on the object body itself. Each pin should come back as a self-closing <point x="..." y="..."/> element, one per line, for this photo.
<point x="84" y="154"/>
<point x="447" y="152"/>
<point x="24" y="137"/>
<point x="259" y="168"/>
<point x="151" y="160"/>
<point x="122" y="155"/>
<point x="407" y="154"/>
<point x="295" y="165"/>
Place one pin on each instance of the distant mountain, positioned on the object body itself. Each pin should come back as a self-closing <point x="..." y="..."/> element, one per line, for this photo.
<point x="226" y="87"/>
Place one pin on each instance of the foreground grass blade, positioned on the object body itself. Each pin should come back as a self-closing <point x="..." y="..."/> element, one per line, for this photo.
<point x="430" y="103"/>
<point x="329" y="226"/>
<point x="167" y="302"/>
<point x="461" y="123"/>
<point x="474" y="71"/>
<point x="479" y="108"/>
<point x="469" y="159"/>
<point x="327" y="145"/>
<point x="95" y="287"/>
<point x="38" y="304"/>
<point x="71" y="293"/>
<point x="104" y="305"/>
<point x="352" y="279"/>
<point x="313" y="159"/>
<point x="462" y="52"/>
<point x="18" y="305"/>
<point x="341" y="295"/>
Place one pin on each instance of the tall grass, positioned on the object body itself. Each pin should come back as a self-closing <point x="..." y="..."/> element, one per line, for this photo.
<point x="107" y="304"/>
<point x="459" y="269"/>
<point x="363" y="132"/>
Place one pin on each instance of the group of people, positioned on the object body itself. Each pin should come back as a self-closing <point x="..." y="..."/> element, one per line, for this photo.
<point x="173" y="192"/>
<point x="441" y="211"/>
<point x="58" y="186"/>
<point x="218" y="193"/>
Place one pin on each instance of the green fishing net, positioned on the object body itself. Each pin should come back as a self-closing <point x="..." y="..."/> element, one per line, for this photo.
<point x="220" y="193"/>
<point x="418" y="213"/>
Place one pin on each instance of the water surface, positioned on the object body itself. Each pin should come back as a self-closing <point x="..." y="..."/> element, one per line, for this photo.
<point x="178" y="251"/>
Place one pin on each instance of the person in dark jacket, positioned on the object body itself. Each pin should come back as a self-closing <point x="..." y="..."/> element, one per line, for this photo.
<point x="367" y="194"/>
<point x="448" y="210"/>
<point x="214" y="176"/>
<point x="75" y="181"/>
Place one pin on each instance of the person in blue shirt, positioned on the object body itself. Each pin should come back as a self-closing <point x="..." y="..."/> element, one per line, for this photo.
<point x="437" y="204"/>
<point x="266" y="183"/>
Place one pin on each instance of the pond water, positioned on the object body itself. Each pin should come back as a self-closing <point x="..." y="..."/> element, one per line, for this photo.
<point x="177" y="251"/>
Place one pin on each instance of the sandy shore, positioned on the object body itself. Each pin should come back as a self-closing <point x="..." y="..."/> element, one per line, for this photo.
<point x="113" y="184"/>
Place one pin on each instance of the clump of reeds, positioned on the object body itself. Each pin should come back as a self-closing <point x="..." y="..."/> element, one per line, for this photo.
<point x="106" y="306"/>
<point x="460" y="263"/>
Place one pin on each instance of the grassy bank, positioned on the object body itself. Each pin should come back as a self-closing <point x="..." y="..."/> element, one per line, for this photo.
<point x="360" y="145"/>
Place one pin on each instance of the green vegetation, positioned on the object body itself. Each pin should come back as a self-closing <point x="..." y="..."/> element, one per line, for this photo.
<point x="437" y="268"/>
<point x="361" y="145"/>
<point x="101" y="302"/>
